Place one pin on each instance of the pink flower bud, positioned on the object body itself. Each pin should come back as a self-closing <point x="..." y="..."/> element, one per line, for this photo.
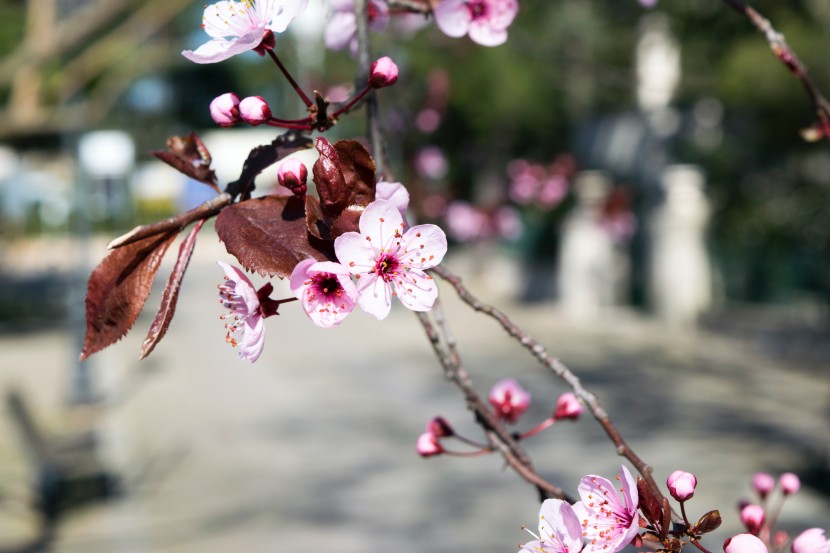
<point x="763" y="483"/>
<point x="293" y="175"/>
<point x="568" y="407"/>
<point x="681" y="485"/>
<point x="224" y="109"/>
<point x="254" y="110"/>
<point x="509" y="400"/>
<point x="811" y="541"/>
<point x="790" y="483"/>
<point x="383" y="73"/>
<point x="752" y="516"/>
<point x="780" y="539"/>
<point x="440" y="428"/>
<point x="428" y="445"/>
<point x="744" y="543"/>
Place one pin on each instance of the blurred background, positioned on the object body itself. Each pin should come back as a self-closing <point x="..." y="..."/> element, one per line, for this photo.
<point x="630" y="184"/>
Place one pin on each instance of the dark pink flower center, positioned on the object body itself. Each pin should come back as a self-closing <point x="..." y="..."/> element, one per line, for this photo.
<point x="387" y="267"/>
<point x="478" y="8"/>
<point x="326" y="285"/>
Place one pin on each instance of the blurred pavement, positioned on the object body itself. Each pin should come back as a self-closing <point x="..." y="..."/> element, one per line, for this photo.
<point x="312" y="447"/>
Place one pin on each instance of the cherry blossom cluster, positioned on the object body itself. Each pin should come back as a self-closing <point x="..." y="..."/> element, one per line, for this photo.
<point x="484" y="21"/>
<point x="759" y="517"/>
<point x="386" y="258"/>
<point x="508" y="401"/>
<point x="543" y="187"/>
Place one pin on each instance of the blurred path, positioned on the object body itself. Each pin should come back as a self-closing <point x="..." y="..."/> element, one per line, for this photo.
<point x="313" y="446"/>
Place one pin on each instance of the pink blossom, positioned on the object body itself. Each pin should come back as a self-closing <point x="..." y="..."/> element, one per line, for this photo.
<point x="341" y="29"/>
<point x="293" y="174"/>
<point x="509" y="400"/>
<point x="811" y="541"/>
<point x="608" y="517"/>
<point x="224" y="109"/>
<point x="486" y="21"/>
<point x="236" y="27"/>
<point x="431" y="163"/>
<point x="553" y="190"/>
<point x="388" y="263"/>
<point x="790" y="483"/>
<point x="763" y="483"/>
<point x="325" y="289"/>
<point x="465" y="223"/>
<point x="681" y="485"/>
<point x="753" y="517"/>
<point x="254" y="110"/>
<point x="428" y="445"/>
<point x="568" y="407"/>
<point x="394" y="192"/>
<point x="247" y="328"/>
<point x="383" y="72"/>
<point x="559" y="529"/>
<point x="744" y="543"/>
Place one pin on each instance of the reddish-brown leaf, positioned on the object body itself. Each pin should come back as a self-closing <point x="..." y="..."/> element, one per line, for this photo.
<point x="649" y="504"/>
<point x="262" y="157"/>
<point x="118" y="288"/>
<point x="190" y="156"/>
<point x="316" y="222"/>
<point x="331" y="186"/>
<point x="344" y="175"/>
<point x="269" y="235"/>
<point x="358" y="170"/>
<point x="171" y="293"/>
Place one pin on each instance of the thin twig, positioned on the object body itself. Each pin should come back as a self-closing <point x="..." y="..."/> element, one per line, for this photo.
<point x="784" y="53"/>
<point x="498" y="436"/>
<point x="364" y="63"/>
<point x="558" y="368"/>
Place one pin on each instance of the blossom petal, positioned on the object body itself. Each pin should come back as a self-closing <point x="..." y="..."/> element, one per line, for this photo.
<point x="219" y="49"/>
<point x="558" y="523"/>
<point x="483" y="33"/>
<point x="299" y="276"/>
<point x="244" y="287"/>
<point x="416" y="290"/>
<point x="394" y="192"/>
<point x="340" y="30"/>
<point x="253" y="339"/>
<point x="381" y="222"/>
<point x="354" y="252"/>
<point x="227" y="18"/>
<point x="424" y="246"/>
<point x="277" y="14"/>
<point x="374" y="296"/>
<point x="452" y="17"/>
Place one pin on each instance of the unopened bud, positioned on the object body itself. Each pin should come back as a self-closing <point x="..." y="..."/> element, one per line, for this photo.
<point x="744" y="543"/>
<point x="293" y="175"/>
<point x="790" y="483"/>
<point x="509" y="400"/>
<point x="681" y="485"/>
<point x="780" y="539"/>
<point x="763" y="483"/>
<point x="224" y="109"/>
<point x="428" y="445"/>
<point x="440" y="427"/>
<point x="709" y="522"/>
<point x="383" y="73"/>
<point x="568" y="407"/>
<point x="254" y="110"/>
<point x="752" y="516"/>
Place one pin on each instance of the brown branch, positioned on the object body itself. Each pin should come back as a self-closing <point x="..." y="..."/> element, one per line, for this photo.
<point x="177" y="222"/>
<point x="558" y="368"/>
<point x="498" y="436"/>
<point x="783" y="52"/>
<point x="412" y="6"/>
